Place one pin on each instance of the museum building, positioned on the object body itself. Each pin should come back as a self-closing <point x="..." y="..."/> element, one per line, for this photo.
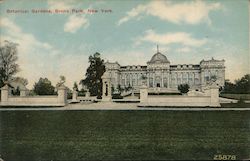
<point x="159" y="74"/>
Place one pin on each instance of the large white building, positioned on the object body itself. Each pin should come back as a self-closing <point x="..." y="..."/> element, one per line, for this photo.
<point x="159" y="74"/>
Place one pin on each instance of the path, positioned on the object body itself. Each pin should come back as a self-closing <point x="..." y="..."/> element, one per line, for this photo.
<point x="121" y="106"/>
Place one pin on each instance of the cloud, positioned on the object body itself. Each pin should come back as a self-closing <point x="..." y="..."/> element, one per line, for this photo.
<point x="40" y="59"/>
<point x="191" y="12"/>
<point x="55" y="4"/>
<point x="170" y="38"/>
<point x="183" y="50"/>
<point x="126" y="57"/>
<point x="34" y="55"/>
<point x="75" y="22"/>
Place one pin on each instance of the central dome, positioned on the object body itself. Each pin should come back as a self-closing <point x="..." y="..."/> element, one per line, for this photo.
<point x="159" y="58"/>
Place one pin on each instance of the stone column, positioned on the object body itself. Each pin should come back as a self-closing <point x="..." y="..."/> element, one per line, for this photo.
<point x="153" y="79"/>
<point x="125" y="79"/>
<point x="62" y="95"/>
<point x="168" y="80"/>
<point x="162" y="75"/>
<point x="4" y="94"/>
<point x="137" y="79"/>
<point x="148" y="76"/>
<point x="194" y="79"/>
<point x="143" y="94"/>
<point x="131" y="79"/>
<point x="181" y="77"/>
<point x="202" y="77"/>
<point x="214" y="94"/>
<point x="75" y="95"/>
<point x="202" y="80"/>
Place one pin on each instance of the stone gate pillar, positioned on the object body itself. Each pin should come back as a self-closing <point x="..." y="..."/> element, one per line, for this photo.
<point x="74" y="95"/>
<point x="214" y="94"/>
<point x="106" y="87"/>
<point x="143" y="94"/>
<point x="62" y="95"/>
<point x="4" y="94"/>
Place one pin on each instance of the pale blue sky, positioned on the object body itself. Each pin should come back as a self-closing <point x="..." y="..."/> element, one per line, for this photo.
<point x="188" y="31"/>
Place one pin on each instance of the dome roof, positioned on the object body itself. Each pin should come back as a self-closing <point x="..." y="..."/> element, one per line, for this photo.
<point x="159" y="58"/>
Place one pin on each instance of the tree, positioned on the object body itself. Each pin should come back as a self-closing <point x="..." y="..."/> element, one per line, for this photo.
<point x="229" y="87"/>
<point x="93" y="80"/>
<point x="20" y="80"/>
<point x="44" y="87"/>
<point x="183" y="88"/>
<point x="8" y="59"/>
<point x="75" y="86"/>
<point x="16" y="92"/>
<point x="243" y="84"/>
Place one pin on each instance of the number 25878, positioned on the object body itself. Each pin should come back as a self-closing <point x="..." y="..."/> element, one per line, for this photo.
<point x="224" y="157"/>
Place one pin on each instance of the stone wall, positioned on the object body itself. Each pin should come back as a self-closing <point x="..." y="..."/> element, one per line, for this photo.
<point x="210" y="98"/>
<point x="8" y="100"/>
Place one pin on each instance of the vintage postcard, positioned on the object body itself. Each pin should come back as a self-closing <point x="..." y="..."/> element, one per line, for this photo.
<point x="124" y="80"/>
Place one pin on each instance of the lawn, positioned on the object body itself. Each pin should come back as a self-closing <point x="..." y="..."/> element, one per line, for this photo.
<point x="236" y="96"/>
<point x="128" y="135"/>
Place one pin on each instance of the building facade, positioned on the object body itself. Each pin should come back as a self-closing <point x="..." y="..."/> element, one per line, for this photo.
<point x="160" y="75"/>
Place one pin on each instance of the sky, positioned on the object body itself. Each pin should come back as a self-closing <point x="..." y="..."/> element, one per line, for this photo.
<point x="53" y="43"/>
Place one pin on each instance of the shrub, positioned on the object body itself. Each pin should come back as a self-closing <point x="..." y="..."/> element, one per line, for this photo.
<point x="183" y="88"/>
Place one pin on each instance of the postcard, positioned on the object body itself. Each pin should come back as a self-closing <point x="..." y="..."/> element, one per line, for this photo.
<point x="124" y="80"/>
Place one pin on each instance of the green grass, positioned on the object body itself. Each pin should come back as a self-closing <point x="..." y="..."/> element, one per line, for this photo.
<point x="236" y="96"/>
<point x="117" y="135"/>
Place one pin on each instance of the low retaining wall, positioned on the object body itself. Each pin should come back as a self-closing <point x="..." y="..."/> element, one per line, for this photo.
<point x="33" y="101"/>
<point x="58" y="100"/>
<point x="177" y="101"/>
<point x="210" y="98"/>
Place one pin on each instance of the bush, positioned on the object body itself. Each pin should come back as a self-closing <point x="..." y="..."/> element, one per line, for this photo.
<point x="44" y="87"/>
<point x="69" y="95"/>
<point x="183" y="88"/>
<point x="16" y="92"/>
